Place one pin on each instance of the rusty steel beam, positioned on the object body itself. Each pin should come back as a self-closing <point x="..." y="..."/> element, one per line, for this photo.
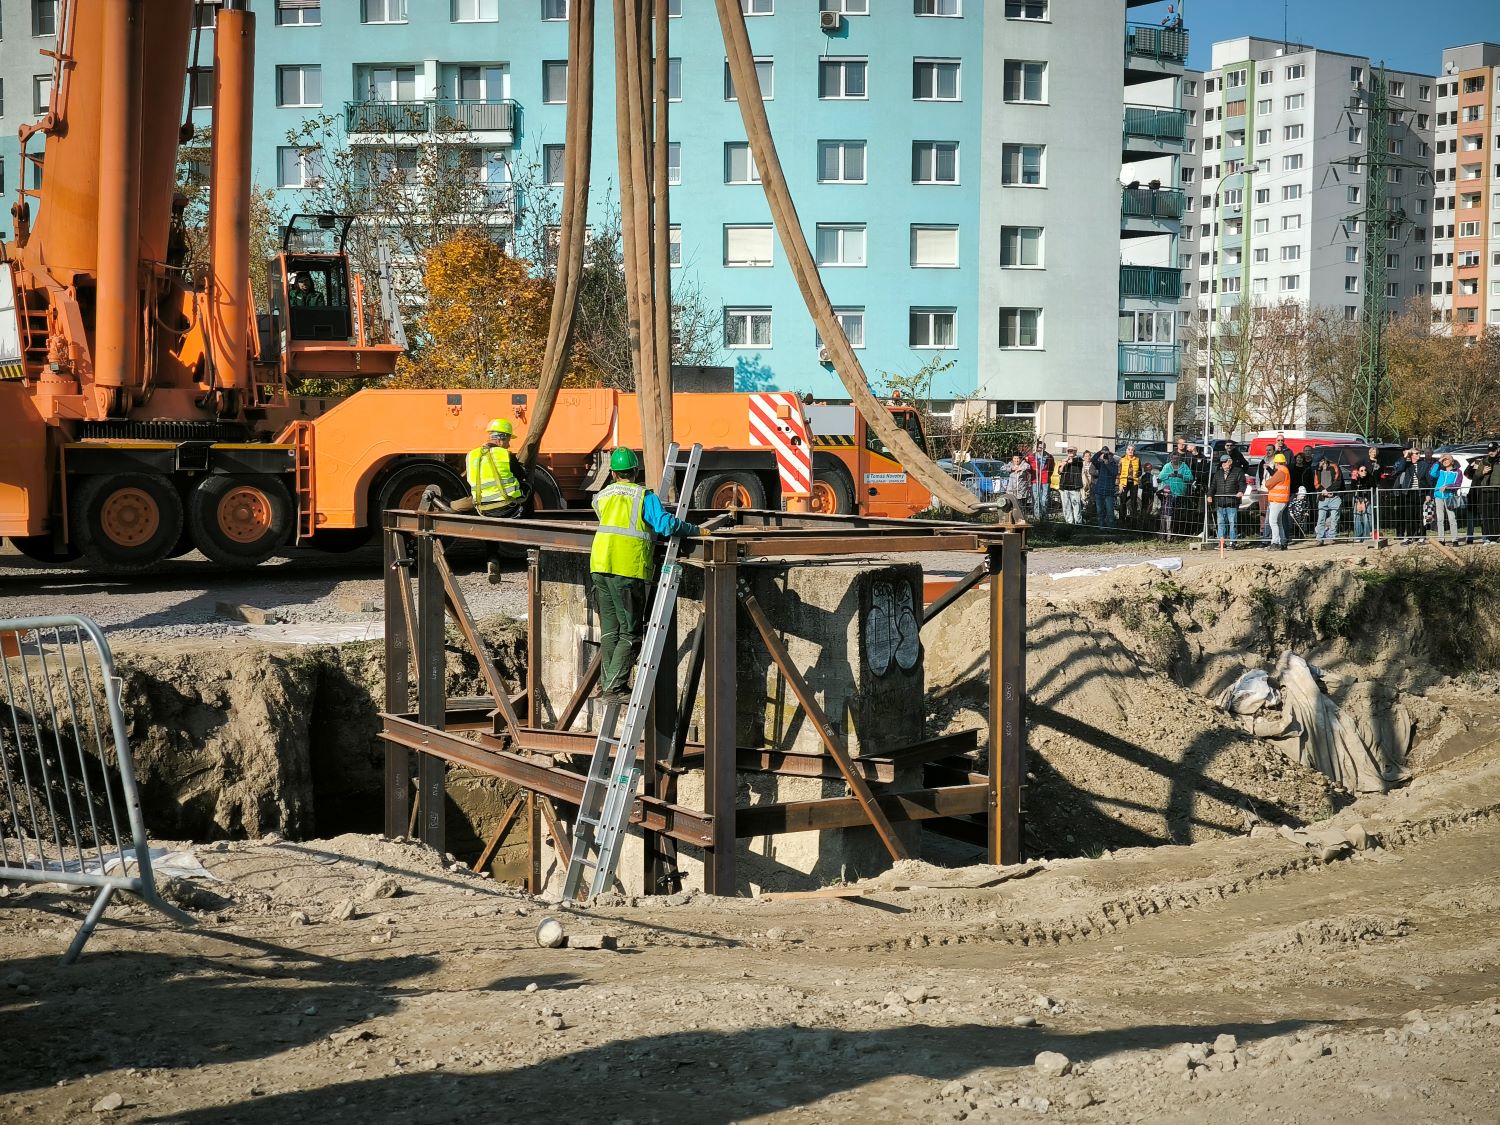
<point x="460" y="609"/>
<point x="554" y="534"/>
<point x="432" y="688"/>
<point x="720" y="760"/>
<point x="580" y="697"/>
<point x="398" y="650"/>
<point x="533" y="634"/>
<point x="958" y="590"/>
<point x="486" y="754"/>
<point x="1007" y="764"/>
<point x="847" y="812"/>
<point x="560" y="839"/>
<point x="879" y="771"/>
<point x="857" y="545"/>
<point x="929" y="749"/>
<point x="498" y="836"/>
<point x="819" y="720"/>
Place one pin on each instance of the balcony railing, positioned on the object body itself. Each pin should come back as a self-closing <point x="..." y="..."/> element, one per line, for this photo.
<point x="1155" y="123"/>
<point x="476" y="117"/>
<point x="1155" y="283"/>
<point x="387" y="117"/>
<point x="1146" y="203"/>
<point x="1152" y="41"/>
<point x="1150" y="359"/>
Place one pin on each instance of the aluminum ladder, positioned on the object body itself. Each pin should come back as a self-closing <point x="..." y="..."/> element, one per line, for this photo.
<point x="613" y="775"/>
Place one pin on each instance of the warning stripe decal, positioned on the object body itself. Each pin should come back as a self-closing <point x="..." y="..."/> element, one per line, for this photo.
<point x="788" y="436"/>
<point x="12" y="371"/>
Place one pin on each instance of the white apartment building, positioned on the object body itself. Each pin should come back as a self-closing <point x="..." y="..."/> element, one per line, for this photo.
<point x="1282" y="143"/>
<point x="1466" y="174"/>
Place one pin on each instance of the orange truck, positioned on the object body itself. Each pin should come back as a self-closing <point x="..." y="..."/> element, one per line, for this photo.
<point x="145" y="412"/>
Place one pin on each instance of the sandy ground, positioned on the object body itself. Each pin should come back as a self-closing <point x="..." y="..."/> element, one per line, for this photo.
<point x="1234" y="981"/>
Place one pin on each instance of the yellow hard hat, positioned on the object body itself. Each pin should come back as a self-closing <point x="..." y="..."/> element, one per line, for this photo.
<point x="1279" y="459"/>
<point x="501" y="426"/>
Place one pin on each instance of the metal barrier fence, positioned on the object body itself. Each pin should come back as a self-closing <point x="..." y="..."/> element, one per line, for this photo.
<point x="69" y="810"/>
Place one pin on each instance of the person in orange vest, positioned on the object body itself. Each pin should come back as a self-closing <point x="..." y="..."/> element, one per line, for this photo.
<point x="1278" y="496"/>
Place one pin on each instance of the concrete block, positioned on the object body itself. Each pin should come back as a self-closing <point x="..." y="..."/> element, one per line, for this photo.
<point x="353" y="603"/>
<point x="248" y="613"/>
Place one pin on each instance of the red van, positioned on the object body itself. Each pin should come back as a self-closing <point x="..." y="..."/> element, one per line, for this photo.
<point x="1298" y="440"/>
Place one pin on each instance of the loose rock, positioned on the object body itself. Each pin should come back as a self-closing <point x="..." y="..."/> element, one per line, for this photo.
<point x="1052" y="1064"/>
<point x="383" y="887"/>
<point x="108" y="1103"/>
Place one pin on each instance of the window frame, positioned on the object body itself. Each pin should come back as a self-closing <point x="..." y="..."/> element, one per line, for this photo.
<point x="1016" y="234"/>
<point x="842" y="145"/>
<point x="282" y="11"/>
<point x="282" y="71"/>
<point x="935" y="147"/>
<point x="931" y="313"/>
<point x="401" y="6"/>
<point x="1019" y="326"/>
<point x="1019" y="148"/>
<point x="479" y="7"/>
<point x="553" y="66"/>
<point x="749" y="263"/>
<point x="752" y="169"/>
<point x="842" y="230"/>
<point x="843" y="63"/>
<point x="912" y="246"/>
<point x="1005" y="82"/>
<point x="938" y="66"/>
<point x="746" y="315"/>
<point x="732" y="95"/>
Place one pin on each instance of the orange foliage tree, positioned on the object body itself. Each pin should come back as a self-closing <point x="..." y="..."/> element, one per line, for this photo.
<point x="484" y="320"/>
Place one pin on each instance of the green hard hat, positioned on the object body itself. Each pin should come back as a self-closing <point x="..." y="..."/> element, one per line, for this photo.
<point x="622" y="460"/>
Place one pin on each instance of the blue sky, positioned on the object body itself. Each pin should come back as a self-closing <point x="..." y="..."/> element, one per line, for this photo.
<point x="1407" y="36"/>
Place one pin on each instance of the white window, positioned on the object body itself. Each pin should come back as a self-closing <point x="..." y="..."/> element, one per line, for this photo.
<point x="1290" y="192"/>
<point x="1258" y="285"/>
<point x="1025" y="9"/>
<point x="476" y="11"/>
<point x="852" y="321"/>
<point x="384" y="11"/>
<point x="1356" y="74"/>
<point x="739" y="163"/>
<point x="1020" y="328"/>
<point x="1233" y="197"/>
<point x="1265" y="77"/>
<point x="1424" y="93"/>
<point x="1354" y="193"/>
<point x="1356" y="135"/>
<point x="1291" y="281"/>
<point x="554" y="160"/>
<point x="1398" y="89"/>
<point x="1190" y="89"/>
<point x="1393" y="261"/>
<point x="554" y="9"/>
<point x="1292" y="162"/>
<point x="393" y="84"/>
<point x="932" y="328"/>
<point x="1263" y="106"/>
<point x="1231" y="284"/>
<point x="299" y="85"/>
<point x="841" y="78"/>
<point x="934" y="80"/>
<point x="1023" y="165"/>
<point x="845" y="7"/>
<point x="1021" y="247"/>
<point x="747" y="328"/>
<point x="1291" y="253"/>
<point x="1291" y="133"/>
<point x="1261" y="226"/>
<point x="758" y="7"/>
<point x="1351" y="282"/>
<point x="749" y="245"/>
<point x="555" y="82"/>
<point x="41" y="93"/>
<point x="935" y="162"/>
<point x="296" y="167"/>
<point x="298" y="13"/>
<point x="1295" y="72"/>
<point x="765" y="74"/>
<point x="841" y="162"/>
<point x="674" y="245"/>
<point x="1025" y="81"/>
<point x="937" y="8"/>
<point x="1393" y="289"/>
<point x="674" y="163"/>
<point x="1295" y="101"/>
<point x="1468" y="230"/>
<point x="1262" y="136"/>
<point x="674" y="80"/>
<point x="934" y="247"/>
<point x="1260" y="254"/>
<point x="841" y="244"/>
<point x="1394" y="175"/>
<point x="1263" y="195"/>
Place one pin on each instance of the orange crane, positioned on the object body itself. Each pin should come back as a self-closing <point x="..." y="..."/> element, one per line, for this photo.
<point x="145" y="412"/>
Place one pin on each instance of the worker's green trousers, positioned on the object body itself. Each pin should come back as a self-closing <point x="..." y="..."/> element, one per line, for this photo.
<point x="622" y="623"/>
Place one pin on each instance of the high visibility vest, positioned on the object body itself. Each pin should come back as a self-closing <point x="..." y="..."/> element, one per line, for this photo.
<point x="1279" y="486"/>
<point x="492" y="480"/>
<point x="622" y="544"/>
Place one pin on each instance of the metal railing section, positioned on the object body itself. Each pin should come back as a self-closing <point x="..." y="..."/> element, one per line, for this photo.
<point x="1156" y="282"/>
<point x="1156" y="123"/>
<point x="1150" y="359"/>
<point x="1149" y="203"/>
<point x="1155" y="42"/>
<point x="442" y="115"/>
<point x="69" y="809"/>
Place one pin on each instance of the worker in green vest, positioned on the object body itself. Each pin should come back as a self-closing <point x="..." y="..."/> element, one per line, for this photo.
<point x="630" y="516"/>
<point x="497" y="480"/>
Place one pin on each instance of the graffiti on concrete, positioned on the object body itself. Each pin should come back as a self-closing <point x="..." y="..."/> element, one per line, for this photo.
<point x="893" y="634"/>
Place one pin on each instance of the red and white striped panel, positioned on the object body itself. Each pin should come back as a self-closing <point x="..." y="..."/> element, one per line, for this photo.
<point x="776" y="420"/>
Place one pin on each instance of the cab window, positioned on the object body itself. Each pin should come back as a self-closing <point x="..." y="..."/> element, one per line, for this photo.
<point x="909" y="421"/>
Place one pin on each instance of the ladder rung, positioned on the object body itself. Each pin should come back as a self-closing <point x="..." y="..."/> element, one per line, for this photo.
<point x="586" y="819"/>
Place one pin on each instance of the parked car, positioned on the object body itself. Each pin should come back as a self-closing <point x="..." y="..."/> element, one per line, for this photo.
<point x="983" y="476"/>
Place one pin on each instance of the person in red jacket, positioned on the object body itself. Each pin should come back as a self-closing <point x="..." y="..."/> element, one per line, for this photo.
<point x="1041" y="463"/>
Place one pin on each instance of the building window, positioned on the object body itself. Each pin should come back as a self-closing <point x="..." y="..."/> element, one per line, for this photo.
<point x="1258" y="285"/>
<point x="1020" y="328"/>
<point x="1291" y="253"/>
<point x="1393" y="289"/>
<point x="1022" y="165"/>
<point x="1356" y="135"/>
<point x="934" y="162"/>
<point x="298" y="13"/>
<point x="1355" y="193"/>
<point x="674" y="245"/>
<point x="765" y="74"/>
<point x="1398" y="89"/>
<point x="1290" y="192"/>
<point x="937" y="8"/>
<point x="475" y="11"/>
<point x="1295" y="101"/>
<point x="555" y="82"/>
<point x="1231" y="284"/>
<point x="1291" y="162"/>
<point x="1291" y="222"/>
<point x="554" y="9"/>
<point x="41" y="93"/>
<point x="841" y="78"/>
<point x="674" y="80"/>
<point x="845" y="7"/>
<point x="934" y="247"/>
<point x="201" y="86"/>
<point x="1021" y="247"/>
<point x="749" y="245"/>
<point x="852" y="321"/>
<point x="747" y="328"/>
<point x="44" y="17"/>
<point x="1291" y="282"/>
<point x="841" y="162"/>
<point x="674" y="163"/>
<point x="739" y="163"/>
<point x="758" y="7"/>
<point x="384" y="11"/>
<point x="1025" y="9"/>
<point x="841" y="244"/>
<point x="1295" y="72"/>
<point x="1291" y="133"/>
<point x="935" y="80"/>
<point x="1262" y="136"/>
<point x="932" y="328"/>
<point x="1263" y="195"/>
<point x="1260" y="254"/>
<point x="554" y="159"/>
<point x="1025" y="81"/>
<point x="1263" y="106"/>
<point x="299" y="86"/>
<point x="296" y="168"/>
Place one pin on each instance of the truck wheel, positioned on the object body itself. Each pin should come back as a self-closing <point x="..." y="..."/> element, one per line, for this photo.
<point x="240" y="520"/>
<point x="125" y="523"/>
<point x="402" y="489"/>
<point x="832" y="494"/>
<point x="545" y="495"/>
<point x="723" y="490"/>
<point x="39" y="548"/>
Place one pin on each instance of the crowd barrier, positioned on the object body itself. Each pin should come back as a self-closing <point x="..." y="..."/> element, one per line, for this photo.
<point x="69" y="809"/>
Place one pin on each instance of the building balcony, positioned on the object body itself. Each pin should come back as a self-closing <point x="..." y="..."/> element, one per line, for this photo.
<point x="1153" y="51"/>
<point x="481" y="122"/>
<point x="475" y="117"/>
<point x="1150" y="359"/>
<point x="387" y="118"/>
<point x="1153" y="131"/>
<point x="1147" y="211"/>
<point x="1150" y="283"/>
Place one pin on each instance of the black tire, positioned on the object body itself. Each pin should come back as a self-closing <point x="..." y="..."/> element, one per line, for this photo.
<point x="833" y="491"/>
<point x="710" y="493"/>
<point x="241" y="519"/>
<point x="126" y="523"/>
<point x="545" y="495"/>
<point x="39" y="548"/>
<point x="401" y="487"/>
